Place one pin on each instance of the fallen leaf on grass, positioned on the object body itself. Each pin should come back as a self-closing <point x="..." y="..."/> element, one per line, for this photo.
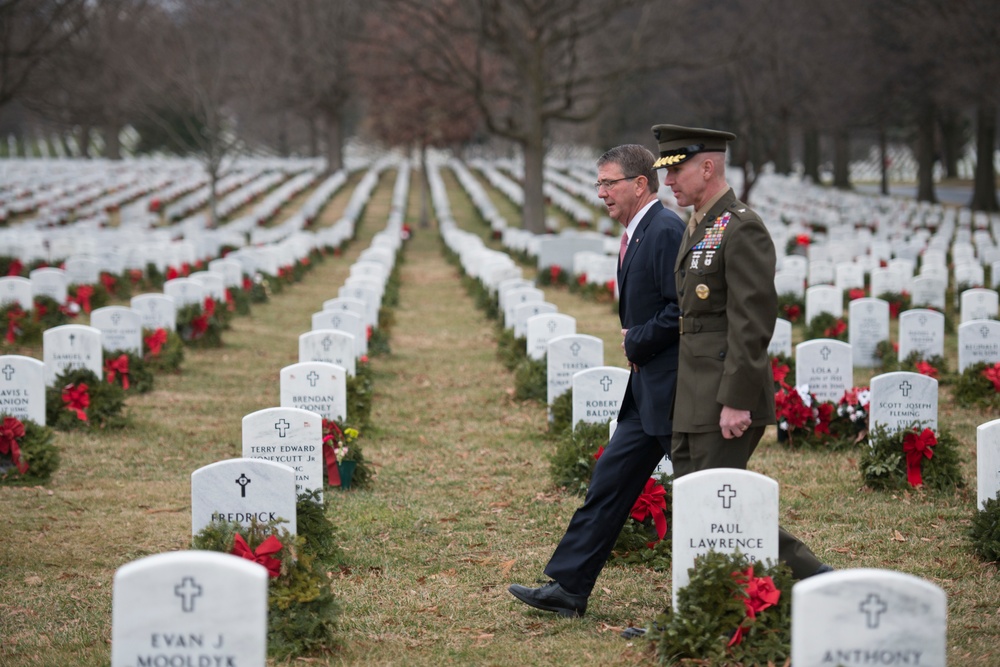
<point x="166" y="510"/>
<point x="506" y="565"/>
<point x="604" y="627"/>
<point x="33" y="580"/>
<point x="897" y="536"/>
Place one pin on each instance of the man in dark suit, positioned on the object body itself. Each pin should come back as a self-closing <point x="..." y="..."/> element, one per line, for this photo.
<point x="648" y="311"/>
<point x="725" y="285"/>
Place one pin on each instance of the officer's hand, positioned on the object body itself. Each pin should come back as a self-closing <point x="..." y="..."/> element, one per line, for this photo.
<point x="733" y="422"/>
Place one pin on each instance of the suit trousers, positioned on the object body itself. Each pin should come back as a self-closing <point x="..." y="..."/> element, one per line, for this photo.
<point x="691" y="452"/>
<point x="619" y="478"/>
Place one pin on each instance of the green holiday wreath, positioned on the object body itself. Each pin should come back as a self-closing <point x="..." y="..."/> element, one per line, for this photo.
<point x="979" y="386"/>
<point x="79" y="399"/>
<point x="731" y="613"/>
<point x="128" y="370"/>
<point x="571" y="465"/>
<point x="162" y="350"/>
<point x="640" y="542"/>
<point x="911" y="457"/>
<point x="984" y="530"/>
<point x="28" y="454"/>
<point x="531" y="380"/>
<point x="562" y="412"/>
<point x="826" y="325"/>
<point x="302" y="611"/>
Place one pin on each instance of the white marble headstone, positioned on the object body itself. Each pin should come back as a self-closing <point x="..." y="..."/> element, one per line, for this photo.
<point x="825" y="365"/>
<point x="342" y="320"/>
<point x="868" y="617"/>
<point x="899" y="399"/>
<point x="71" y="346"/>
<point x="987" y="461"/>
<point x="189" y="608"/>
<point x="921" y="330"/>
<point x="330" y="346"/>
<point x="724" y="510"/>
<point x="242" y="490"/>
<point x="867" y="326"/>
<point x="978" y="341"/>
<point x="185" y="292"/>
<point x="213" y="282"/>
<point x="567" y="355"/>
<point x="781" y="339"/>
<point x="525" y="311"/>
<point x="598" y="393"/>
<point x="121" y="328"/>
<point x="15" y="289"/>
<point x="928" y="291"/>
<point x="50" y="282"/>
<point x="824" y="299"/>
<point x="22" y="388"/>
<point x="789" y="283"/>
<point x="516" y="297"/>
<point x="979" y="304"/>
<point x="291" y="436"/>
<point x="82" y="271"/>
<point x="316" y="386"/>
<point x="543" y="328"/>
<point x="158" y="311"/>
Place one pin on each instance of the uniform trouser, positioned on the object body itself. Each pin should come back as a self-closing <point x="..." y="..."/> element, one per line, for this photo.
<point x="691" y="452"/>
<point x="619" y="478"/>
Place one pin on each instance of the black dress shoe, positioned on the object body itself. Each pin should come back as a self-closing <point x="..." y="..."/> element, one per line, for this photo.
<point x="822" y="569"/>
<point x="551" y="597"/>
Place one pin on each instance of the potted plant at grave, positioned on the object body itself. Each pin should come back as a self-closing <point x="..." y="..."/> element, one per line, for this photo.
<point x="346" y="465"/>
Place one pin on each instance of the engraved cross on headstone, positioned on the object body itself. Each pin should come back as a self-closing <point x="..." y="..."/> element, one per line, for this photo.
<point x="327" y="344"/>
<point x="336" y="321"/>
<point x="8" y="372"/>
<point x="984" y="331"/>
<point x="922" y="319"/>
<point x="872" y="608"/>
<point x="281" y="426"/>
<point x="72" y="339"/>
<point x="243" y="480"/>
<point x="825" y="352"/>
<point x="905" y="387"/>
<point x="727" y="493"/>
<point x="312" y="377"/>
<point x="116" y="318"/>
<point x="187" y="591"/>
<point x="575" y="349"/>
<point x="606" y="383"/>
<point x="552" y="325"/>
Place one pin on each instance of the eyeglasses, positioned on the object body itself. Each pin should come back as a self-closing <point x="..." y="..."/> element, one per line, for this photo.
<point x="607" y="184"/>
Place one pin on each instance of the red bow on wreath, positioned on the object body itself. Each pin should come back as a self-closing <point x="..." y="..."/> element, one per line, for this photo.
<point x="760" y="594"/>
<point x="119" y="366"/>
<point x="917" y="446"/>
<point x="652" y="502"/>
<point x="83" y="294"/>
<point x="11" y="430"/>
<point x="14" y="316"/>
<point x="992" y="373"/>
<point x="155" y="342"/>
<point x="77" y="399"/>
<point x="262" y="555"/>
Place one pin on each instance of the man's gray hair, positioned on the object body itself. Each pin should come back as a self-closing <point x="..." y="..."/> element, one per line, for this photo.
<point x="635" y="160"/>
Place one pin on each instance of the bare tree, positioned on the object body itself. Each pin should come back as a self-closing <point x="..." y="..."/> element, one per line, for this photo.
<point x="30" y="32"/>
<point x="527" y="64"/>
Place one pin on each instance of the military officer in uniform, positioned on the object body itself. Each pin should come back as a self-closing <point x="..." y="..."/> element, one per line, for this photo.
<point x="725" y="287"/>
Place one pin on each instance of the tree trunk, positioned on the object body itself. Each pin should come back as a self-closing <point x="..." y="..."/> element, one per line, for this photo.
<point x="213" y="196"/>
<point x="334" y="147"/>
<point x="925" y="154"/>
<point x="984" y="193"/>
<point x="782" y="150"/>
<point x="283" y="135"/>
<point x="951" y="142"/>
<point x="842" y="159"/>
<point x="83" y="141"/>
<point x="112" y="144"/>
<point x="313" y="138"/>
<point x="810" y="154"/>
<point x="534" y="197"/>
<point x="883" y="154"/>
<point x="425" y="213"/>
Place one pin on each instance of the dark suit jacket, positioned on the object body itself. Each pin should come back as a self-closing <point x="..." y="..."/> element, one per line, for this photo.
<point x="725" y="283"/>
<point x="647" y="306"/>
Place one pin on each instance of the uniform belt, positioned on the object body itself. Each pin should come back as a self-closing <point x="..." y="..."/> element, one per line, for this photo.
<point x="690" y="325"/>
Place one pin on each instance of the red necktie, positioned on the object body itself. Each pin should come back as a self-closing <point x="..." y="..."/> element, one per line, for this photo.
<point x="624" y="247"/>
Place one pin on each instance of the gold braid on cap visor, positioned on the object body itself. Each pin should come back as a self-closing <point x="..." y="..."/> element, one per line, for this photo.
<point x="669" y="160"/>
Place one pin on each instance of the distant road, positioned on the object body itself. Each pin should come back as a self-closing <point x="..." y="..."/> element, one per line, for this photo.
<point x="960" y="195"/>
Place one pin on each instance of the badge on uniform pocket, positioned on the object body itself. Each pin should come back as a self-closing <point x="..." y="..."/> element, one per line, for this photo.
<point x="702" y="291"/>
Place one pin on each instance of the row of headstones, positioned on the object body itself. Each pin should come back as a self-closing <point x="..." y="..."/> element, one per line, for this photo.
<point x="212" y="608"/>
<point x="928" y="288"/>
<point x="974" y="303"/>
<point x="849" y="617"/>
<point x="920" y="330"/>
